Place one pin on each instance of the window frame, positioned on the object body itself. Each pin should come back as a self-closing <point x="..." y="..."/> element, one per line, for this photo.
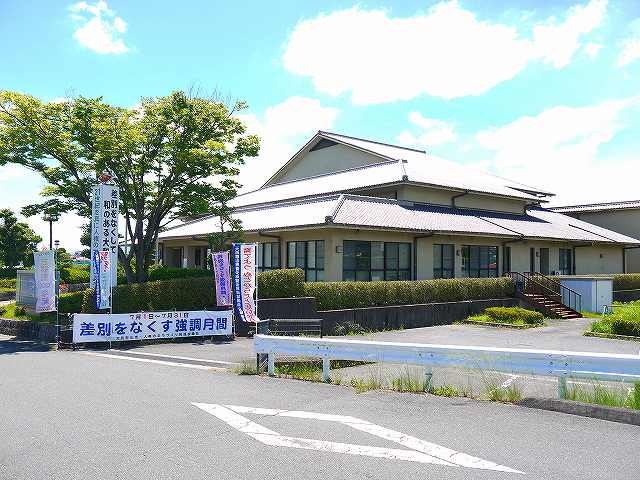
<point x="395" y="262"/>
<point x="441" y="264"/>
<point x="567" y="253"/>
<point x="467" y="261"/>
<point x="274" y="249"/>
<point x="301" y="259"/>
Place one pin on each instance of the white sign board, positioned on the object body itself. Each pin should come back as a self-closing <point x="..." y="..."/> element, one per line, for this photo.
<point x="119" y="327"/>
<point x="45" y="280"/>
<point x="104" y="227"/>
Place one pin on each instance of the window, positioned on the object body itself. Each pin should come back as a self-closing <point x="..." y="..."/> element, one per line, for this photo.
<point x="532" y="259"/>
<point x="479" y="261"/>
<point x="365" y="261"/>
<point x="268" y="256"/>
<point x="309" y="256"/>
<point x="506" y="259"/>
<point x="566" y="261"/>
<point x="443" y="261"/>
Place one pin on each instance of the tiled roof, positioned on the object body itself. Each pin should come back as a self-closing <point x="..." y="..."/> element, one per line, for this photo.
<point x="598" y="207"/>
<point x="379" y="213"/>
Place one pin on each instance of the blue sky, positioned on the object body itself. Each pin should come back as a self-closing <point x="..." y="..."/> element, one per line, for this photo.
<point x="547" y="93"/>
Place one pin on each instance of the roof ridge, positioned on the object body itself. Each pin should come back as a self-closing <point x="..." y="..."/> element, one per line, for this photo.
<point x="325" y="132"/>
<point x="320" y="175"/>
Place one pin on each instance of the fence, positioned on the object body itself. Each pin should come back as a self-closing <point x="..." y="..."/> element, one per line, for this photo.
<point x="557" y="363"/>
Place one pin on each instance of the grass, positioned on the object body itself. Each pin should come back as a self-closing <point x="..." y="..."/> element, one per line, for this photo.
<point x="447" y="391"/>
<point x="364" y="385"/>
<point x="246" y="369"/>
<point x="15" y="312"/>
<point x="487" y="319"/>
<point x="411" y="381"/>
<point x="602" y="395"/>
<point x="625" y="320"/>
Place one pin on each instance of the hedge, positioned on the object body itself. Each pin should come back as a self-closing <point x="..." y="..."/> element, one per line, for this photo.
<point x="71" y="302"/>
<point x="168" y="273"/>
<point x="191" y="293"/>
<point x="8" y="282"/>
<point x="626" y="281"/>
<point x="514" y="315"/>
<point x="281" y="283"/>
<point x="341" y="295"/>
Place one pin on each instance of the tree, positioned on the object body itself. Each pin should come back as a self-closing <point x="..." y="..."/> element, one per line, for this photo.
<point x="172" y="157"/>
<point x="17" y="240"/>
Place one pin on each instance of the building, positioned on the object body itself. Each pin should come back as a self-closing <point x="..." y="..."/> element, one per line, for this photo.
<point x="621" y="217"/>
<point x="345" y="208"/>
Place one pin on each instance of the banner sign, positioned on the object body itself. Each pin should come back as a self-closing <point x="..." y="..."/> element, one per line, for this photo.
<point x="102" y="264"/>
<point x="117" y="327"/>
<point x="244" y="281"/>
<point x="220" y="262"/>
<point x="104" y="227"/>
<point x="45" y="281"/>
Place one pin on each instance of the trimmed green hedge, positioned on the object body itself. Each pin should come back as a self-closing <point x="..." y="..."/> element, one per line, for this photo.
<point x="6" y="272"/>
<point x="168" y="273"/>
<point x="281" y="283"/>
<point x="514" y="315"/>
<point x="341" y="295"/>
<point x="192" y="293"/>
<point x="71" y="302"/>
<point x="626" y="281"/>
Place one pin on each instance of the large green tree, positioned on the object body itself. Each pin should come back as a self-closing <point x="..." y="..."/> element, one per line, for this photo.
<point x="17" y="240"/>
<point x="172" y="157"/>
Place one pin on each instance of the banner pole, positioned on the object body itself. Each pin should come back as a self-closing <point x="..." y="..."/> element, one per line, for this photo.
<point x="255" y="275"/>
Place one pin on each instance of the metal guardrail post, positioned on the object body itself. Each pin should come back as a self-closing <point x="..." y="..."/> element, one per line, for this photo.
<point x="562" y="387"/>
<point x="271" y="364"/>
<point x="428" y="379"/>
<point x="326" y="368"/>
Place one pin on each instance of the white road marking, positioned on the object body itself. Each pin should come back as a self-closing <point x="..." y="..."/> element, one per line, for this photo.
<point x="157" y="362"/>
<point x="175" y="357"/>
<point x="420" y="450"/>
<point x="509" y="381"/>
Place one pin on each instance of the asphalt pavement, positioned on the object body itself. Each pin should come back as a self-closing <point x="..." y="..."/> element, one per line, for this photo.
<point x="93" y="415"/>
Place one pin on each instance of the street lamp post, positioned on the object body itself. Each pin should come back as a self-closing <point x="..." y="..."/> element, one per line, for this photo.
<point x="50" y="219"/>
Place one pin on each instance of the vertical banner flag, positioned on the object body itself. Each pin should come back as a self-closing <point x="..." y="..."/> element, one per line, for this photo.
<point x="103" y="280"/>
<point x="220" y="262"/>
<point x="45" y="280"/>
<point x="104" y="227"/>
<point x="244" y="281"/>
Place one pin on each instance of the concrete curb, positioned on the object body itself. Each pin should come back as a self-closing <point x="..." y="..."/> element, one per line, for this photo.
<point x="502" y="325"/>
<point x="612" y="414"/>
<point x="612" y="335"/>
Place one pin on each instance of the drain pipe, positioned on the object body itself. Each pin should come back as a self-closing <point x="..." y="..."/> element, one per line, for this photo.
<point x="453" y="199"/>
<point x="415" y="252"/>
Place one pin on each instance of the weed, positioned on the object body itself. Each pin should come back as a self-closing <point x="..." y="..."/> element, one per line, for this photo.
<point x="445" y="391"/>
<point x="246" y="369"/>
<point x="498" y="393"/>
<point x="409" y="381"/>
<point x="363" y="385"/>
<point x="607" y="396"/>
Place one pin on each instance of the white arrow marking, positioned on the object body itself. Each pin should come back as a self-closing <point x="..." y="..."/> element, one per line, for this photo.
<point x="420" y="450"/>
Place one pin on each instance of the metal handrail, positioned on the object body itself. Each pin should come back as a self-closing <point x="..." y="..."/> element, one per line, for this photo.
<point x="566" y="296"/>
<point x="565" y="292"/>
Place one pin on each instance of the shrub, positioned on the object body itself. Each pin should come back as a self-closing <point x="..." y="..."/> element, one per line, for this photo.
<point x="71" y="302"/>
<point x="287" y="283"/>
<point x="625" y="326"/>
<point x="513" y="315"/>
<point x="75" y="275"/>
<point x="8" y="282"/>
<point x="340" y="295"/>
<point x="626" y="281"/>
<point x="7" y="272"/>
<point x="169" y="273"/>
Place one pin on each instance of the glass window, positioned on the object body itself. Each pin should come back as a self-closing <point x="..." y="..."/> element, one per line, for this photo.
<point x="365" y="261"/>
<point x="566" y="261"/>
<point x="506" y="259"/>
<point x="479" y="261"/>
<point x="443" y="261"/>
<point x="308" y="256"/>
<point x="268" y="256"/>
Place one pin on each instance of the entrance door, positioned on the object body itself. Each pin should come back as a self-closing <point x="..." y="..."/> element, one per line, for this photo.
<point x="544" y="261"/>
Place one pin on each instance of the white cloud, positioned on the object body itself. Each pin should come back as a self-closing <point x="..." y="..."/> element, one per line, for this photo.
<point x="630" y="51"/>
<point x="434" y="132"/>
<point x="283" y="128"/>
<point x="592" y="49"/>
<point x="556" y="42"/>
<point x="99" y="29"/>
<point x="559" y="150"/>
<point x="446" y="52"/>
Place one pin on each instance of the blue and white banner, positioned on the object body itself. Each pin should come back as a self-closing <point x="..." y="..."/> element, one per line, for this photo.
<point x="244" y="281"/>
<point x="104" y="227"/>
<point x="120" y="327"/>
<point x="102" y="263"/>
<point x="45" y="281"/>
<point x="220" y="262"/>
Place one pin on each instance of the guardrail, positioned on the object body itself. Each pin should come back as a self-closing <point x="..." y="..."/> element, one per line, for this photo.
<point x="557" y="363"/>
